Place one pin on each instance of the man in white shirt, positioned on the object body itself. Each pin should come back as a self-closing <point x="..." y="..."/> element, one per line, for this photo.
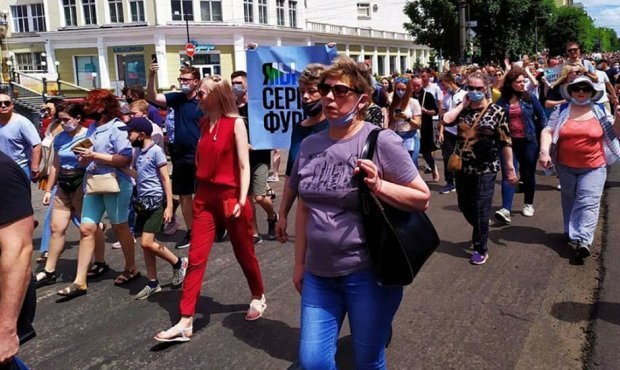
<point x="605" y="84"/>
<point x="447" y="135"/>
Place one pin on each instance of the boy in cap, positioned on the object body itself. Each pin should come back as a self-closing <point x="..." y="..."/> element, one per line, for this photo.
<point x="152" y="202"/>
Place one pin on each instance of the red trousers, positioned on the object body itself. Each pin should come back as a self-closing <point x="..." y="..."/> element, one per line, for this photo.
<point x="209" y="217"/>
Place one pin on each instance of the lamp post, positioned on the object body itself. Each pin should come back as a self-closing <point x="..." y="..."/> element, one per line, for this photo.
<point x="462" y="28"/>
<point x="57" y="64"/>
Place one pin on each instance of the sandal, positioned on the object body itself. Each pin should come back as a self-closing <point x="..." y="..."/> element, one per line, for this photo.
<point x="175" y="334"/>
<point x="97" y="269"/>
<point x="42" y="258"/>
<point x="126" y="277"/>
<point x="257" y="307"/>
<point x="72" y="291"/>
<point x="44" y="278"/>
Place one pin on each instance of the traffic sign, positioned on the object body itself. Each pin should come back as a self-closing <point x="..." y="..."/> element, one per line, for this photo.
<point x="471" y="24"/>
<point x="190" y="49"/>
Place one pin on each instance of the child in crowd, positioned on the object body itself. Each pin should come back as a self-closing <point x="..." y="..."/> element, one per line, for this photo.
<point x="152" y="202"/>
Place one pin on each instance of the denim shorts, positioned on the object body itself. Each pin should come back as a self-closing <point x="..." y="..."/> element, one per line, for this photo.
<point x="116" y="205"/>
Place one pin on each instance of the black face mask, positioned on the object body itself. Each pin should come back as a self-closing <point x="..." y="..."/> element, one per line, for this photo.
<point x="313" y="108"/>
<point x="95" y="116"/>
<point x="129" y="100"/>
<point x="138" y="143"/>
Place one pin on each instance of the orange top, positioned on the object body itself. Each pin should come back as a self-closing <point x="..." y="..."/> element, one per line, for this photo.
<point x="581" y="144"/>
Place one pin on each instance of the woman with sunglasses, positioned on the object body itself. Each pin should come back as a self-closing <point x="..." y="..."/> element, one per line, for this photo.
<point x="526" y="119"/>
<point x="405" y="116"/>
<point x="484" y="128"/>
<point x="584" y="143"/>
<point x="223" y="180"/>
<point x="332" y="268"/>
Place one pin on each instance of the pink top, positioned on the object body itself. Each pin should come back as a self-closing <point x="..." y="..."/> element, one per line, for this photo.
<point x="581" y="144"/>
<point x="515" y="121"/>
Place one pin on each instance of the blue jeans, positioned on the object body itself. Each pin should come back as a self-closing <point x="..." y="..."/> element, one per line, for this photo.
<point x="582" y="189"/>
<point x="411" y="141"/>
<point x="475" y="198"/>
<point x="524" y="157"/>
<point x="324" y="303"/>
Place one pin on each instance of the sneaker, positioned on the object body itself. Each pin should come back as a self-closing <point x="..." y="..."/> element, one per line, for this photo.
<point x="447" y="189"/>
<point x="258" y="239"/>
<point x="270" y="193"/>
<point x="117" y="244"/>
<point x="178" y="275"/>
<point x="503" y="215"/>
<point x="427" y="169"/>
<point x="273" y="178"/>
<point x="147" y="291"/>
<point x="478" y="259"/>
<point x="583" y="250"/>
<point x="528" y="210"/>
<point x="220" y="236"/>
<point x="171" y="227"/>
<point x="271" y="228"/>
<point x="573" y="244"/>
<point x="185" y="242"/>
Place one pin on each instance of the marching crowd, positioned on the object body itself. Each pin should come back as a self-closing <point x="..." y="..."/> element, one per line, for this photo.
<point x="106" y="155"/>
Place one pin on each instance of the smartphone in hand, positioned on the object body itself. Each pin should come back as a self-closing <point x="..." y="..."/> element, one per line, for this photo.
<point x="153" y="58"/>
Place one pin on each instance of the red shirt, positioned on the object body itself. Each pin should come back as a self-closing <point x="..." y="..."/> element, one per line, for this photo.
<point x="217" y="162"/>
<point x="515" y="121"/>
<point x="581" y="144"/>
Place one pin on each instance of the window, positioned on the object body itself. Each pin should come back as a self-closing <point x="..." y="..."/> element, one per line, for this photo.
<point x="292" y="13"/>
<point x="137" y="11"/>
<point x="182" y="10"/>
<point x="116" y="11"/>
<point x="87" y="68"/>
<point x="262" y="11"/>
<point x="131" y="69"/>
<point x="381" y="65"/>
<point x="403" y="64"/>
<point x="392" y="64"/>
<point x="30" y="62"/>
<point x="70" y="12"/>
<point x="211" y="10"/>
<point x="19" y="14"/>
<point x="280" y="12"/>
<point x="363" y="10"/>
<point x="37" y="12"/>
<point x="248" y="11"/>
<point x="90" y="12"/>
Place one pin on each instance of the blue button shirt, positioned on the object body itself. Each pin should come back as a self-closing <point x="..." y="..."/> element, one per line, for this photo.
<point x="147" y="163"/>
<point x="108" y="139"/>
<point x="63" y="143"/>
<point x="187" y="114"/>
<point x="17" y="138"/>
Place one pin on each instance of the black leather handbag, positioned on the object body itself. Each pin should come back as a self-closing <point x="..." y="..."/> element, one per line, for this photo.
<point x="398" y="242"/>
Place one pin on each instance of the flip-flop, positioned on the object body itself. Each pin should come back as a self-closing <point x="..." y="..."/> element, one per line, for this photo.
<point x="97" y="269"/>
<point x="178" y="337"/>
<point x="257" y="306"/>
<point x="126" y="277"/>
<point x="72" y="291"/>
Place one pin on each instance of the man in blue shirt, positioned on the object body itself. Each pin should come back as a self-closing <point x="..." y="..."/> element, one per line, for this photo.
<point x="187" y="115"/>
<point x="19" y="139"/>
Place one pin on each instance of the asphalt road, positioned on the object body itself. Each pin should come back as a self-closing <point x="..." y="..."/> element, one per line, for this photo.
<point x="529" y="307"/>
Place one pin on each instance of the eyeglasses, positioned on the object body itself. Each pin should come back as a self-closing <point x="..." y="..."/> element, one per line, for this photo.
<point x="181" y="79"/>
<point x="5" y="103"/>
<point x="476" y="88"/>
<point x="582" y="88"/>
<point x="572" y="50"/>
<point x="339" y="91"/>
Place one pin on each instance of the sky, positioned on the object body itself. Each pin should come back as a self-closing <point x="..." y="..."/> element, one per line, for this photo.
<point x="605" y="12"/>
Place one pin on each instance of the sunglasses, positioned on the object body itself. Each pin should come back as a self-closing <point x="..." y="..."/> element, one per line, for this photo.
<point x="582" y="88"/>
<point x="180" y="79"/>
<point x="339" y="91"/>
<point x="572" y="50"/>
<point x="5" y="103"/>
<point x="476" y="88"/>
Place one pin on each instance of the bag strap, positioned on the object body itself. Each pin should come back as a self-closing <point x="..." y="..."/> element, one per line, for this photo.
<point x="371" y="143"/>
<point x="468" y="140"/>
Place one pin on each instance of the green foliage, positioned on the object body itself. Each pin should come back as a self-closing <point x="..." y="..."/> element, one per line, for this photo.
<point x="569" y="24"/>
<point x="432" y="61"/>
<point x="417" y="64"/>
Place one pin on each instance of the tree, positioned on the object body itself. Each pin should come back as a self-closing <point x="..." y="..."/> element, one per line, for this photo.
<point x="569" y="24"/>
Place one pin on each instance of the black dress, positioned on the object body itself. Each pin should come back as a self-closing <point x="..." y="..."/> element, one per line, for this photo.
<point x="427" y="133"/>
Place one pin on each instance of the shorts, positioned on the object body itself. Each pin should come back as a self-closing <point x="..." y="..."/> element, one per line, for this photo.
<point x="183" y="178"/>
<point x="72" y="202"/>
<point x="149" y="222"/>
<point x="258" y="179"/>
<point x="116" y="205"/>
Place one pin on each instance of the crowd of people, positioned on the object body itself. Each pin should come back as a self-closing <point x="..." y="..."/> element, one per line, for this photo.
<point x="110" y="156"/>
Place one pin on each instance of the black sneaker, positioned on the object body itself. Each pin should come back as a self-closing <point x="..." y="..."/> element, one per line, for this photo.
<point x="583" y="250"/>
<point x="185" y="242"/>
<point x="258" y="239"/>
<point x="221" y="235"/>
<point x="271" y="228"/>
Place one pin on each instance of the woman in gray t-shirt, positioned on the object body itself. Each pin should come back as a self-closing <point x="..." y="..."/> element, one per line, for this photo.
<point x="332" y="269"/>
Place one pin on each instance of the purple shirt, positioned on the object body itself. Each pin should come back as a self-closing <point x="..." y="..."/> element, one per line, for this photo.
<point x="108" y="139"/>
<point x="323" y="176"/>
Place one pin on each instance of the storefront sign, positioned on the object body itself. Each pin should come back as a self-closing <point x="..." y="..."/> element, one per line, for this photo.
<point x="202" y="47"/>
<point x="128" y="49"/>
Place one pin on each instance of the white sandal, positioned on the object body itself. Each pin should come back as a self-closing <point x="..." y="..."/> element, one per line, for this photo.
<point x="256" y="305"/>
<point x="179" y="334"/>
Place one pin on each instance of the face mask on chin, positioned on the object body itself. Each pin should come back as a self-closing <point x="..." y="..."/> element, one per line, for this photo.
<point x="313" y="108"/>
<point x="346" y="120"/>
<point x="581" y="102"/>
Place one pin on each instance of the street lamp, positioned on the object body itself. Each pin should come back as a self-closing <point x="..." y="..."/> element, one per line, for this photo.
<point x="176" y="12"/>
<point x="94" y="76"/>
<point x="463" y="28"/>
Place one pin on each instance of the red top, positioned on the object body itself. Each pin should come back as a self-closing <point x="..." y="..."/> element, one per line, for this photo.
<point x="581" y="144"/>
<point x="515" y="121"/>
<point x="217" y="162"/>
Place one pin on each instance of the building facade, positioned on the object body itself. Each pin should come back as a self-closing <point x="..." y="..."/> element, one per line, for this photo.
<point x="110" y="43"/>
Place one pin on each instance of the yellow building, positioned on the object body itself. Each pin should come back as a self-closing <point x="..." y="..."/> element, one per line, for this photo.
<point x="110" y="43"/>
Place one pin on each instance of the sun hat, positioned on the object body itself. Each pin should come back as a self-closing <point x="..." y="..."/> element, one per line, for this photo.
<point x="596" y="95"/>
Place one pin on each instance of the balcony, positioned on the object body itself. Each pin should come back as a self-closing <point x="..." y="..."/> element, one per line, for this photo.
<point x="356" y="31"/>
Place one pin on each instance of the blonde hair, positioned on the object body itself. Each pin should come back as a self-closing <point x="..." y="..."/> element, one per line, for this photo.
<point x="566" y="69"/>
<point x="359" y="78"/>
<point x="142" y="105"/>
<point x="221" y="90"/>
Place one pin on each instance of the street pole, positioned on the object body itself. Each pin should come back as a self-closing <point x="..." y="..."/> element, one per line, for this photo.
<point x="463" y="29"/>
<point x="186" y="26"/>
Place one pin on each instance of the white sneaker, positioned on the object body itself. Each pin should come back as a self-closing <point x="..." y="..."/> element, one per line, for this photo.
<point x="503" y="215"/>
<point x="528" y="210"/>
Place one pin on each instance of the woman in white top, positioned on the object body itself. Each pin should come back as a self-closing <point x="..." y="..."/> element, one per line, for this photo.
<point x="405" y="116"/>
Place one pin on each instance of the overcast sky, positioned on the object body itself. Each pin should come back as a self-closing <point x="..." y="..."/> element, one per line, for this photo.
<point x="605" y="12"/>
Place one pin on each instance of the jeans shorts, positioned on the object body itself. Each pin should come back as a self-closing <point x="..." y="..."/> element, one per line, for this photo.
<point x="116" y="205"/>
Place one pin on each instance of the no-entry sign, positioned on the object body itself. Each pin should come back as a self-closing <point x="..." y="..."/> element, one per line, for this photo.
<point x="190" y="49"/>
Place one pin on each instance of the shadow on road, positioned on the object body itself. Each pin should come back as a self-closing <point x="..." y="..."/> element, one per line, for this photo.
<point x="577" y="311"/>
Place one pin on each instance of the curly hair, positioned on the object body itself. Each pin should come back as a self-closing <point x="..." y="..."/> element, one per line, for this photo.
<point x="101" y="98"/>
<point x="312" y="74"/>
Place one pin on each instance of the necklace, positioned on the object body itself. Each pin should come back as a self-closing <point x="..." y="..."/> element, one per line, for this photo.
<point x="216" y="127"/>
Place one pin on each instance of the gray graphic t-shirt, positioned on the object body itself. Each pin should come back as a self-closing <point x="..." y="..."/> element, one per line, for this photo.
<point x="323" y="177"/>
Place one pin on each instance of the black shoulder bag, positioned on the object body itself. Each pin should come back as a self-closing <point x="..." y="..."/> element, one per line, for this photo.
<point x="398" y="242"/>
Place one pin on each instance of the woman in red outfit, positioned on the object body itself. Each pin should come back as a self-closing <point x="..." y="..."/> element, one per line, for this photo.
<point x="222" y="182"/>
